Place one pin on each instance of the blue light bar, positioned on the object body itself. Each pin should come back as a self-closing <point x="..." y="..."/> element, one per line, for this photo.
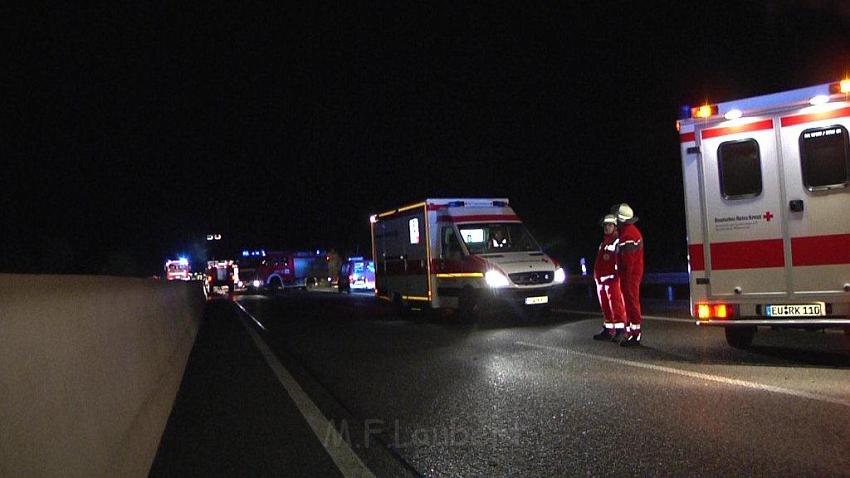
<point x="245" y="254"/>
<point x="500" y="204"/>
<point x="456" y="204"/>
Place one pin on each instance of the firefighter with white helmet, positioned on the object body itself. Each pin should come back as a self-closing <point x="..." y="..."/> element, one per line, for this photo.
<point x="607" y="279"/>
<point x="630" y="268"/>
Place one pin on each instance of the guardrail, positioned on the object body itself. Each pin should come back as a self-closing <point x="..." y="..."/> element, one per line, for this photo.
<point x="653" y="284"/>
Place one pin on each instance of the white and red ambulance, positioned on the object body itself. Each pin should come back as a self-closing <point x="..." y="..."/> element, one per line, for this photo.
<point x="462" y="254"/>
<point x="768" y="210"/>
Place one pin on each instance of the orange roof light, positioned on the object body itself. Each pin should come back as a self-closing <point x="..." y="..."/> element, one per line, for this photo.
<point x="704" y="111"/>
<point x="842" y="86"/>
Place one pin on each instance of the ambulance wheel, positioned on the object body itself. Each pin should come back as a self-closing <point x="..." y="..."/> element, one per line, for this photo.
<point x="740" y="337"/>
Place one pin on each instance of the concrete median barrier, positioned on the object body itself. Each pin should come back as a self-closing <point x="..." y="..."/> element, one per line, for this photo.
<point x="89" y="369"/>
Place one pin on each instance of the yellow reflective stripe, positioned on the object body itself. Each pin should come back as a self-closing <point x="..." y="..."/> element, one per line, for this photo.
<point x="459" y="275"/>
<point x="414" y="297"/>
<point x="401" y="209"/>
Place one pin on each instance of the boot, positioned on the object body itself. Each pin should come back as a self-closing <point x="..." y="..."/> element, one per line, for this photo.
<point x="630" y="340"/>
<point x="618" y="335"/>
<point x="603" y="334"/>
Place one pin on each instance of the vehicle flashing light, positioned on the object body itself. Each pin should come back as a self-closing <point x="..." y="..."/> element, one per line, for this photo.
<point x="257" y="283"/>
<point x="703" y="311"/>
<point x="733" y="114"/>
<point x="183" y="261"/>
<point x="245" y="254"/>
<point x="704" y="111"/>
<point x="842" y="86"/>
<point x="819" y="100"/>
<point x="720" y="311"/>
<point x="496" y="279"/>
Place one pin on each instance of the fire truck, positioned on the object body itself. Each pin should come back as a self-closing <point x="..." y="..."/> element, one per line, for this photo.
<point x="289" y="269"/>
<point x="178" y="269"/>
<point x="221" y="274"/>
<point x="461" y="254"/>
<point x="766" y="197"/>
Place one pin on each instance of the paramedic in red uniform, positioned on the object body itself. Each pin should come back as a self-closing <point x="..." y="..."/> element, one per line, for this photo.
<point x="630" y="267"/>
<point x="608" y="283"/>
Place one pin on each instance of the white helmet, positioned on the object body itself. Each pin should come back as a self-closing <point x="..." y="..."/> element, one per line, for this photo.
<point x="625" y="214"/>
<point x="609" y="219"/>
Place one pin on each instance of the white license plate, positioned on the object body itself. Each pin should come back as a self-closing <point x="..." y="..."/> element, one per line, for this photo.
<point x="537" y="300"/>
<point x="796" y="310"/>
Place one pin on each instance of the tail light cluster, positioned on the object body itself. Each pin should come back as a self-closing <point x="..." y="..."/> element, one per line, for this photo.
<point x="713" y="311"/>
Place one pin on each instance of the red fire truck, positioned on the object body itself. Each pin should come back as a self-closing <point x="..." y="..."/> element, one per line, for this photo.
<point x="289" y="269"/>
<point x="221" y="274"/>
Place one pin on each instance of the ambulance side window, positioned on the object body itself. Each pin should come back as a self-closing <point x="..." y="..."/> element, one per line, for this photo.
<point x="451" y="244"/>
<point x="739" y="164"/>
<point x="825" y="157"/>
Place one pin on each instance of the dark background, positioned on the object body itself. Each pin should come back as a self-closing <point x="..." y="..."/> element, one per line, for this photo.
<point x="129" y="133"/>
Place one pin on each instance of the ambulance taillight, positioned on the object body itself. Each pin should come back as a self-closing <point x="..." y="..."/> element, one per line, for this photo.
<point x="713" y="311"/>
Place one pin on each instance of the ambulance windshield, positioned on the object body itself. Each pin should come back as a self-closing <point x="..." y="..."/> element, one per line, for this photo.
<point x="497" y="237"/>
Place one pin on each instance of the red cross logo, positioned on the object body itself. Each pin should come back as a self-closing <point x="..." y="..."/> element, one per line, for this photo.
<point x="768" y="216"/>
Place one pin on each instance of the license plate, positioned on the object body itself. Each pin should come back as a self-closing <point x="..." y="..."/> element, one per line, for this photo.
<point x="537" y="300"/>
<point x="796" y="310"/>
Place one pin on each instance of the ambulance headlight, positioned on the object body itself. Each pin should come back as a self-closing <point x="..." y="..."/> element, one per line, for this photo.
<point x="560" y="275"/>
<point x="496" y="279"/>
<point x="257" y="283"/>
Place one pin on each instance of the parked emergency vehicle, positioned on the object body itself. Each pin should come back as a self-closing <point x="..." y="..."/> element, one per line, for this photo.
<point x="279" y="270"/>
<point x="356" y="273"/>
<point x="768" y="210"/>
<point x="178" y="269"/>
<point x="460" y="254"/>
<point x="221" y="274"/>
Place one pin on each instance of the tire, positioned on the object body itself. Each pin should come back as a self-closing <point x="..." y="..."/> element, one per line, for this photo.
<point x="740" y="337"/>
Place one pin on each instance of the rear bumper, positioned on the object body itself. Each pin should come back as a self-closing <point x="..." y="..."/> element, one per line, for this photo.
<point x="785" y="322"/>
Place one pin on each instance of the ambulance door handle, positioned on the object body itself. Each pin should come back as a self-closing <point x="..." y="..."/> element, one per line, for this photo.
<point x="796" y="205"/>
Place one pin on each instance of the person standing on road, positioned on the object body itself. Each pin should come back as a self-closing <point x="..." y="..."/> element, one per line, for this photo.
<point x="630" y="268"/>
<point x="608" y="283"/>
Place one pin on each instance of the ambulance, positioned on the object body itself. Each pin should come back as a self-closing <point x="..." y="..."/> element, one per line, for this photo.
<point x="462" y="254"/>
<point x="768" y="210"/>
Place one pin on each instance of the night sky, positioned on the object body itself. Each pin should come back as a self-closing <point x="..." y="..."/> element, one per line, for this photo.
<point x="129" y="133"/>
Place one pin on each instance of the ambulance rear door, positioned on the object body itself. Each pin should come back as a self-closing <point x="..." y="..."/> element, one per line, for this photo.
<point x="816" y="156"/>
<point x="743" y="204"/>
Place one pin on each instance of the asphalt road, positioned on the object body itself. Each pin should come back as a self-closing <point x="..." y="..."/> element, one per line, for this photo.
<point x="416" y="395"/>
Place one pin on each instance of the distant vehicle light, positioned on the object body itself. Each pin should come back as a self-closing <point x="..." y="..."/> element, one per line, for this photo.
<point x="257" y="283"/>
<point x="496" y="279"/>
<point x="733" y="114"/>
<point x="560" y="275"/>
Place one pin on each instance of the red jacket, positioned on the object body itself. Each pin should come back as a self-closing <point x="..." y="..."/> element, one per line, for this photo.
<point x="630" y="251"/>
<point x="605" y="267"/>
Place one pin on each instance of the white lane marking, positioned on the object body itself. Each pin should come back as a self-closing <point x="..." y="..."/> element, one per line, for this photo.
<point x="650" y="317"/>
<point x="341" y="453"/>
<point x="249" y="314"/>
<point x="696" y="375"/>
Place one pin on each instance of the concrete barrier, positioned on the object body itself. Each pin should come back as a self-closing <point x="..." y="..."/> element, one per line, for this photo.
<point x="89" y="369"/>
